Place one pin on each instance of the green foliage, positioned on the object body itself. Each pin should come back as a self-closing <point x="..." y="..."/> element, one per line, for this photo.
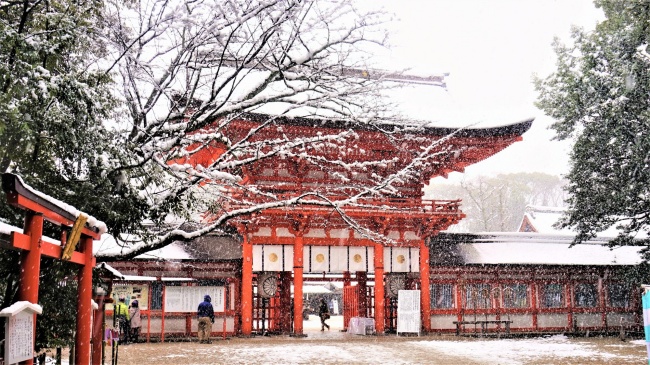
<point x="53" y="102"/>
<point x="599" y="97"/>
<point x="58" y="292"/>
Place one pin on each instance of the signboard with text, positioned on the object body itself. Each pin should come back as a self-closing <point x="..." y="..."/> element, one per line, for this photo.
<point x="188" y="298"/>
<point x="19" y="340"/>
<point x="408" y="311"/>
<point x="131" y="293"/>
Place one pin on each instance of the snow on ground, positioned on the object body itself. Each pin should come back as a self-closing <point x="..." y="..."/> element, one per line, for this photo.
<point x="335" y="347"/>
<point x="521" y="351"/>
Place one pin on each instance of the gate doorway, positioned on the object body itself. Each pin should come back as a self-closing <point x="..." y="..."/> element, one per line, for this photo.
<point x="358" y="300"/>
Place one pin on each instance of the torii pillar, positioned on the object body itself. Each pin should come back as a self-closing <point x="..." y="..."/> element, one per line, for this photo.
<point x="30" y="264"/>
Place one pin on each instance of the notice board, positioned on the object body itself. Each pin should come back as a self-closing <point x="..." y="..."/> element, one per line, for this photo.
<point x="408" y="311"/>
<point x="188" y="298"/>
<point x="19" y="341"/>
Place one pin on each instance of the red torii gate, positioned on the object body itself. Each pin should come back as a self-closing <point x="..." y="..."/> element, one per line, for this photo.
<point x="38" y="208"/>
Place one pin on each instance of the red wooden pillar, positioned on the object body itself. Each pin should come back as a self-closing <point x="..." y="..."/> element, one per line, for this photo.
<point x="84" y="304"/>
<point x="298" y="251"/>
<point x="162" y="314"/>
<point x="285" y="302"/>
<point x="533" y="303"/>
<point x="569" y="299"/>
<point x="30" y="264"/>
<point x="379" y="288"/>
<point x="247" y="286"/>
<point x="98" y="330"/>
<point x="425" y="290"/>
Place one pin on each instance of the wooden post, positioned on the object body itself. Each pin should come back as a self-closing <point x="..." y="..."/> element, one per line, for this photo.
<point x="84" y="304"/>
<point x="379" y="289"/>
<point x="30" y="264"/>
<point x="149" y="311"/>
<point x="247" y="285"/>
<point x="98" y="331"/>
<point x="425" y="290"/>
<point x="298" y="251"/>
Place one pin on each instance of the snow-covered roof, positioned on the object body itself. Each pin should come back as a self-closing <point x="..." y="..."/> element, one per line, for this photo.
<point x="139" y="278"/>
<point x="20" y="306"/>
<point x="525" y="248"/>
<point x="541" y="219"/>
<point x="107" y="245"/>
<point x="535" y="253"/>
<point x="433" y="106"/>
<point x="109" y="268"/>
<point x="427" y="104"/>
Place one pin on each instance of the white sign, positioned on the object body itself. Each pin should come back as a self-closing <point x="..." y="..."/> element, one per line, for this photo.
<point x="188" y="298"/>
<point x="19" y="341"/>
<point x="408" y="311"/>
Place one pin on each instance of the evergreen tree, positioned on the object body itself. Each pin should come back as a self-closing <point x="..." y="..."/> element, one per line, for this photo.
<point x="599" y="95"/>
<point x="53" y="99"/>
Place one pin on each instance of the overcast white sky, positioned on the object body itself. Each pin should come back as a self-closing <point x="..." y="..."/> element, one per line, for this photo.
<point x="491" y="48"/>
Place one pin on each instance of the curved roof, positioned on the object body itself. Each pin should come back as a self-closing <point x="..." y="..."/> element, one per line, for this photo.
<point x="516" y="128"/>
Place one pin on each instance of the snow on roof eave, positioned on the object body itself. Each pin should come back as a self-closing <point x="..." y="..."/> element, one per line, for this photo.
<point x="138" y="278"/>
<point x="112" y="270"/>
<point x="560" y="237"/>
<point x="18" y="307"/>
<point x="91" y="221"/>
<point x="517" y="128"/>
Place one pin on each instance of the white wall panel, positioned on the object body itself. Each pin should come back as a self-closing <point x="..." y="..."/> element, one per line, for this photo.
<point x="338" y="259"/>
<point x="358" y="259"/>
<point x="257" y="257"/>
<point x="319" y="259"/>
<point x="415" y="259"/>
<point x="400" y="259"/>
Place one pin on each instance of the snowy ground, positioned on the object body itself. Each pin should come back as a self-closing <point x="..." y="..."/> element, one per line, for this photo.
<point x="334" y="347"/>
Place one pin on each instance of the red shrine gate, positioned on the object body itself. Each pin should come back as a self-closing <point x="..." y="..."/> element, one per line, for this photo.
<point x="280" y="245"/>
<point x="32" y="245"/>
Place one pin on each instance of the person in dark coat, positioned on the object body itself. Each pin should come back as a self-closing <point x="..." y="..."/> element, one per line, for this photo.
<point x="323" y="313"/>
<point x="206" y="319"/>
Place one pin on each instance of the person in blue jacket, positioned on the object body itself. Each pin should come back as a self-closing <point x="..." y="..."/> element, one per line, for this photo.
<point x="206" y="319"/>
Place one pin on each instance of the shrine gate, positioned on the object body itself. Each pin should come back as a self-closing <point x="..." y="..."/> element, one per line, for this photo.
<point x="281" y="245"/>
<point x="82" y="229"/>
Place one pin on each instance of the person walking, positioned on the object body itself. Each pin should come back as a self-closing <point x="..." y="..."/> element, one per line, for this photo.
<point x="121" y="319"/>
<point x="323" y="313"/>
<point x="206" y="319"/>
<point x="136" y="321"/>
